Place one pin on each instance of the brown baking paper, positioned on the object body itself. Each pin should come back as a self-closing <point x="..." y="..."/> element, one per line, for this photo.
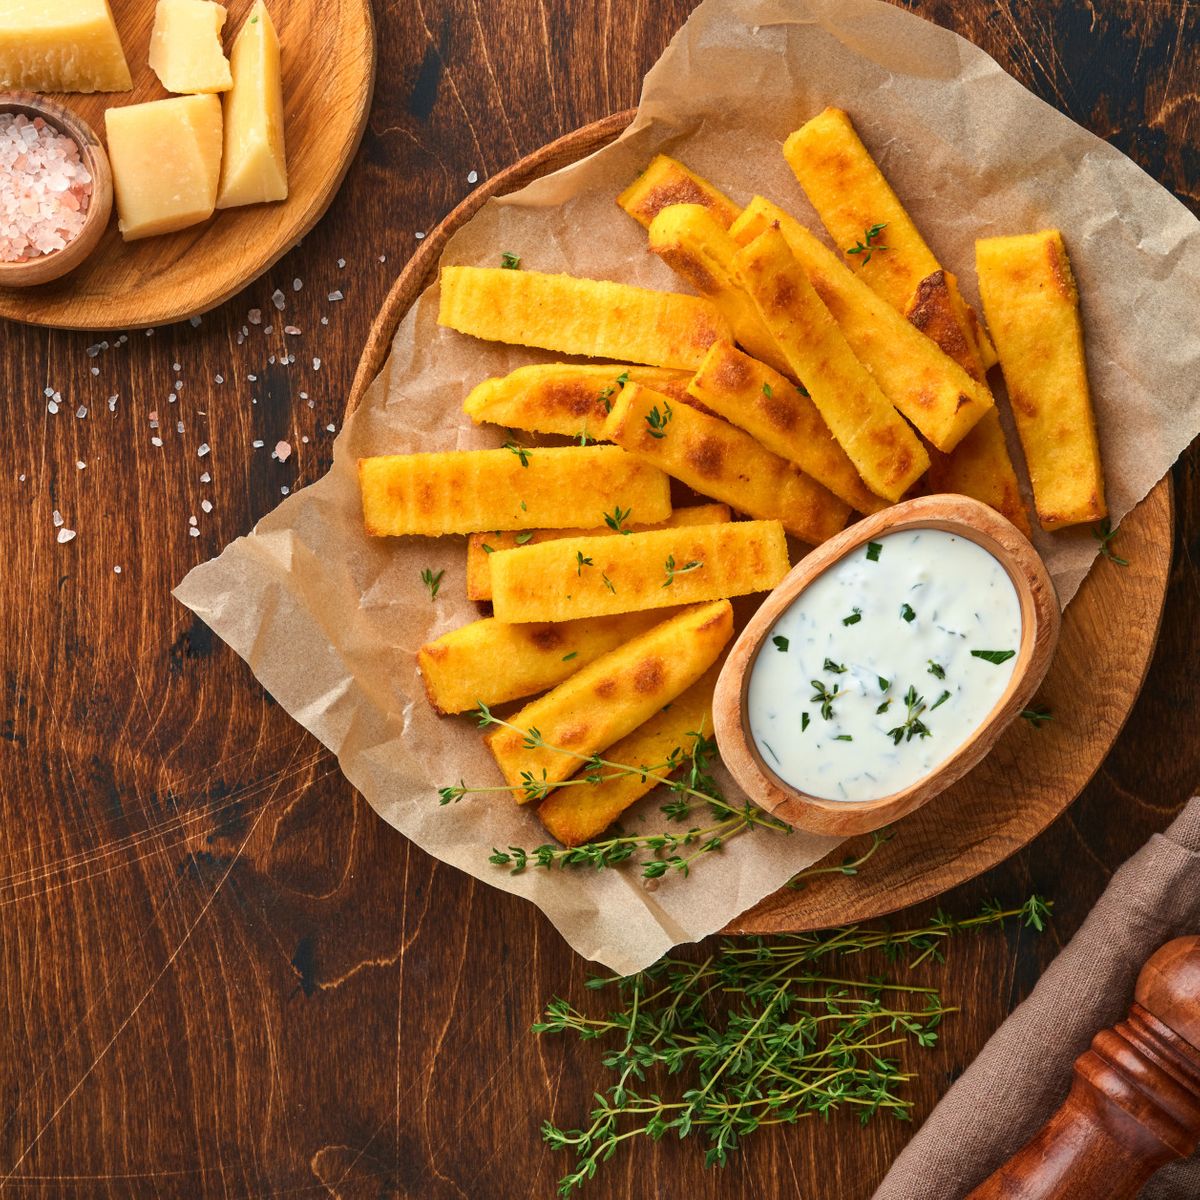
<point x="330" y="621"/>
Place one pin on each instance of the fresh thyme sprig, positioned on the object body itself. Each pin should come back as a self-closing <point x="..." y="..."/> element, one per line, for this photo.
<point x="658" y="421"/>
<point x="824" y="697"/>
<point x="672" y="570"/>
<point x="665" y="850"/>
<point x="1104" y="533"/>
<point x="1037" y="715"/>
<point x="759" y="1033"/>
<point x="607" y="394"/>
<point x="510" y="261"/>
<point x="618" y="519"/>
<point x="913" y="725"/>
<point x="849" y="865"/>
<point x="432" y="580"/>
<point x="868" y="244"/>
<point x="522" y="452"/>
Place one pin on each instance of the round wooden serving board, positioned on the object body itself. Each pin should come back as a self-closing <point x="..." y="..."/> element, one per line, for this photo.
<point x="1032" y="774"/>
<point x="328" y="62"/>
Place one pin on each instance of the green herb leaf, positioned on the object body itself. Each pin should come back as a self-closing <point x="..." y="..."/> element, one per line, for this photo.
<point x="581" y="561"/>
<point x="843" y="737"/>
<point x="804" y="721"/>
<point x="432" y="581"/>
<point x="510" y="261"/>
<point x="522" y="452"/>
<point x="868" y="244"/>
<point x="617" y="521"/>
<point x="658" y="421"/>
<point x="836" y="668"/>
<point x="780" y="643"/>
<point x="994" y="656"/>
<point x="854" y="617"/>
<point x="523" y="537"/>
<point x="1104" y="534"/>
<point x="940" y="701"/>
<point x="936" y="669"/>
<point x="874" y="549"/>
<point x="1037" y="716"/>
<point x="906" y="611"/>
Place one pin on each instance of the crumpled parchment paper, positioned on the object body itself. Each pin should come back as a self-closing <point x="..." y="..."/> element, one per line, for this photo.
<point x="330" y="620"/>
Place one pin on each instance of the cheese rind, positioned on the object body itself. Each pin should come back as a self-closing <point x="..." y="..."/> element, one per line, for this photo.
<point x="255" y="165"/>
<point x="61" y="46"/>
<point x="185" y="46"/>
<point x="166" y="159"/>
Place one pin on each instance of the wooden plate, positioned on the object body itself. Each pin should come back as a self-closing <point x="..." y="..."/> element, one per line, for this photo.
<point x="1033" y="774"/>
<point x="328" y="49"/>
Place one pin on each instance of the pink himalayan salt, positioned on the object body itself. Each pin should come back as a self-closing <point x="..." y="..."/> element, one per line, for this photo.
<point x="45" y="188"/>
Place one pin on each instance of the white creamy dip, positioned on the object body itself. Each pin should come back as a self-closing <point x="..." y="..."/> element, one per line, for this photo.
<point x="882" y="667"/>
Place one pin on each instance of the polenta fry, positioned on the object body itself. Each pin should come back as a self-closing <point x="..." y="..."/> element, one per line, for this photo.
<point x="590" y="317"/>
<point x="665" y="182"/>
<point x="481" y="546"/>
<point x="519" y="487"/>
<point x="719" y="460"/>
<point x="608" y="699"/>
<point x="558" y="581"/>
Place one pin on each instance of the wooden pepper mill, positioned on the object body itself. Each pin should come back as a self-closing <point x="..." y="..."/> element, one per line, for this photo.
<point x="1134" y="1103"/>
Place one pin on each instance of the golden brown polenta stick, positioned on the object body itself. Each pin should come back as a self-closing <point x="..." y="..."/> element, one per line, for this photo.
<point x="666" y="181"/>
<point x="770" y="408"/>
<point x="492" y="662"/>
<point x="875" y="437"/>
<point x="562" y="397"/>
<point x="462" y="491"/>
<point x="926" y="385"/>
<point x="876" y="235"/>
<point x="609" y="698"/>
<point x="719" y="460"/>
<point x="481" y="546"/>
<point x="690" y="240"/>
<point x="589" y="317"/>
<point x="980" y="467"/>
<point x="580" y="811"/>
<point x="1032" y="306"/>
<point x="558" y="581"/>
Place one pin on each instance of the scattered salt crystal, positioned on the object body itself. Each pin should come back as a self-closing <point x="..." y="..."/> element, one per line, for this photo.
<point x="206" y="506"/>
<point x="95" y="370"/>
<point x="172" y="398"/>
<point x="176" y="367"/>
<point x="193" y="531"/>
<point x="218" y="378"/>
<point x="257" y="443"/>
<point x="116" y="570"/>
<point x="191" y="520"/>
<point x="48" y="391"/>
<point x="316" y="364"/>
<point x="303" y="439"/>
<point x="178" y="426"/>
<point x="80" y="465"/>
<point x="331" y="428"/>
<point x="277" y="299"/>
<point x="81" y="412"/>
<point x="291" y="329"/>
<point x="112" y="402"/>
<point x="194" y="322"/>
<point x="93" y="351"/>
<point x="21" y="478"/>
<point x="284" y="490"/>
<point x="303" y="395"/>
<point x="336" y="295"/>
<point x="282" y="451"/>
<point x="324" y="320"/>
<point x="419" y="235"/>
<point x="57" y="518"/>
<point x="296" y="285"/>
<point x="473" y="177"/>
<point x="271" y="357"/>
<point x="65" y="535"/>
<point x="383" y="258"/>
<point x="341" y="264"/>
<point x="156" y="441"/>
<point x="52" y="408"/>
<point x="201" y="451"/>
<point x="254" y="316"/>
<point x="149" y="332"/>
<point x="252" y="378"/>
<point x="268" y="329"/>
<point x="206" y="478"/>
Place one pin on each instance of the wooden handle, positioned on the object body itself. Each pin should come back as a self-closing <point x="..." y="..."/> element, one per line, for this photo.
<point x="1134" y="1103"/>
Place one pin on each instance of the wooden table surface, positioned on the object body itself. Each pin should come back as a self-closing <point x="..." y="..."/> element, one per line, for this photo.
<point x="223" y="976"/>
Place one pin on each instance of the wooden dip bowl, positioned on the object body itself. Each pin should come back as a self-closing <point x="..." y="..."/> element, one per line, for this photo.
<point x="50" y="266"/>
<point x="1039" y="634"/>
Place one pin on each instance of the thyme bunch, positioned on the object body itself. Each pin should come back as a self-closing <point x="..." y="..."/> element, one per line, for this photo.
<point x="758" y="1033"/>
<point x="685" y="773"/>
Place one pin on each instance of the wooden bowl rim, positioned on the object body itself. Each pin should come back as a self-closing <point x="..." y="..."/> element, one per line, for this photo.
<point x="1040" y="624"/>
<point x="55" y="265"/>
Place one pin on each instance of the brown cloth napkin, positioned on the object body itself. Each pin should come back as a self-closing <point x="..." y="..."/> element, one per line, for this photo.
<point x="1022" y="1075"/>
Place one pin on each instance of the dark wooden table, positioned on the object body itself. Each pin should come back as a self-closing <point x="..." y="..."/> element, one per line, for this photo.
<point x="223" y="976"/>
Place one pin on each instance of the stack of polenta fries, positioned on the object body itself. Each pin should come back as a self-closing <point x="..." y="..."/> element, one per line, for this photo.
<point x="800" y="385"/>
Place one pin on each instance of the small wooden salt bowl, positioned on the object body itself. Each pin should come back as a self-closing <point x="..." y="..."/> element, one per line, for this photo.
<point x="46" y="267"/>
<point x="1039" y="634"/>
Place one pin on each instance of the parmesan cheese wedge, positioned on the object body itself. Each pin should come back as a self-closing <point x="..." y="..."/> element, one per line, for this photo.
<point x="185" y="46"/>
<point x="254" y="169"/>
<point x="61" y="46"/>
<point x="166" y="158"/>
